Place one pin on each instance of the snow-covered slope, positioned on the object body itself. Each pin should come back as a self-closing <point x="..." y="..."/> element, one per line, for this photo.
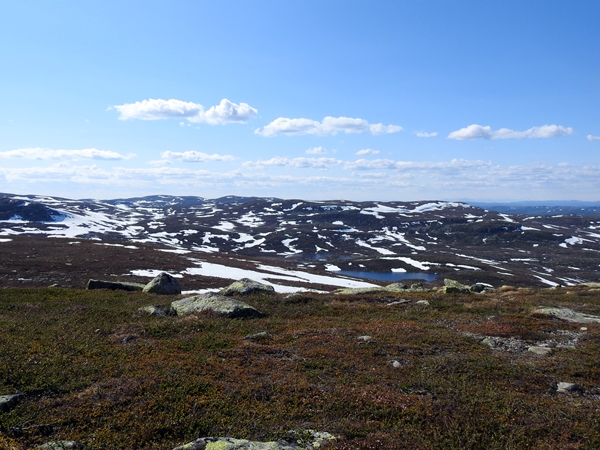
<point x="453" y="239"/>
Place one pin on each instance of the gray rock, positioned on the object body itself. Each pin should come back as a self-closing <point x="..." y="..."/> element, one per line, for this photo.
<point x="8" y="402"/>
<point x="567" y="314"/>
<point x="358" y="291"/>
<point x="246" y="286"/>
<point x="481" y="287"/>
<point x="151" y="311"/>
<point x="260" y="335"/>
<point x="422" y="303"/>
<point x="454" y="287"/>
<point x="299" y="441"/>
<point x="396" y="364"/>
<point x="541" y="351"/>
<point x="566" y="387"/>
<point x="216" y="303"/>
<point x="364" y="339"/>
<point x="163" y="284"/>
<point x="115" y="285"/>
<point x="60" y="445"/>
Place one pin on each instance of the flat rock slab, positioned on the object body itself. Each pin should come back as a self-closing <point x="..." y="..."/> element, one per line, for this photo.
<point x="315" y="440"/>
<point x="216" y="303"/>
<point x="115" y="285"/>
<point x="246" y="286"/>
<point x="568" y="315"/>
<point x="59" y="445"/>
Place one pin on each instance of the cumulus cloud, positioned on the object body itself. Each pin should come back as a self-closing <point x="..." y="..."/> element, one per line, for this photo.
<point x="475" y="131"/>
<point x="329" y="126"/>
<point x="367" y="151"/>
<point x="316" y="151"/>
<point x="592" y="138"/>
<point x="423" y="134"/>
<point x="159" y="109"/>
<point x="194" y="156"/>
<point x="49" y="154"/>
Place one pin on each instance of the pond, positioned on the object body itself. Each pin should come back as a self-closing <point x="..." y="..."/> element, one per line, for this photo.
<point x="389" y="276"/>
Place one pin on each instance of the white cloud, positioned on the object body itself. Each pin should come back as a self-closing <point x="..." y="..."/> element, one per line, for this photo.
<point x="194" y="156"/>
<point x="424" y="134"/>
<point x="49" y="154"/>
<point x="367" y="151"/>
<point x="329" y="126"/>
<point x="316" y="151"/>
<point x="158" y="109"/>
<point x="297" y="163"/>
<point x="592" y="138"/>
<point x="475" y="131"/>
<point x="370" y="164"/>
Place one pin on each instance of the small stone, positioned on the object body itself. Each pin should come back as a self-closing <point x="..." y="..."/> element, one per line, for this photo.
<point x="8" y="402"/>
<point x="565" y="387"/>
<point x="151" y="311"/>
<point x="422" y="302"/>
<point x="364" y="339"/>
<point x="537" y="350"/>
<point x="396" y="364"/>
<point x="398" y="302"/>
<point x="583" y="328"/>
<point x="259" y="335"/>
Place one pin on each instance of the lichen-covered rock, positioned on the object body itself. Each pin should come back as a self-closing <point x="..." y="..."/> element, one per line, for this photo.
<point x="215" y="303"/>
<point x="114" y="285"/>
<point x="151" y="311"/>
<point x="8" y="402"/>
<point x="246" y="286"/>
<point x="306" y="440"/>
<point x="454" y="287"/>
<point x="163" y="284"/>
<point x="59" y="445"/>
<point x="568" y="315"/>
<point x="364" y="290"/>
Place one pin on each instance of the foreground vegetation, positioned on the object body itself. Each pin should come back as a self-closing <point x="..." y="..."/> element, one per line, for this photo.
<point x="92" y="370"/>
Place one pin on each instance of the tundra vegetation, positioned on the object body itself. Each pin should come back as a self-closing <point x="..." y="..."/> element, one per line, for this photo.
<point x="378" y="370"/>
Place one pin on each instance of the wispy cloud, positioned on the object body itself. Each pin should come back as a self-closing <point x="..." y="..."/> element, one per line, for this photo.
<point x="316" y="151"/>
<point x="453" y="178"/>
<point x="194" y="156"/>
<point x="485" y="132"/>
<point x="329" y="126"/>
<point x="423" y="134"/>
<point x="297" y="163"/>
<point x="592" y="138"/>
<point x="158" y="109"/>
<point x="367" y="151"/>
<point x="49" y="154"/>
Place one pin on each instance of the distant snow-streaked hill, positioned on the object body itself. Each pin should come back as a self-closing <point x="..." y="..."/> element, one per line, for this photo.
<point x="455" y="240"/>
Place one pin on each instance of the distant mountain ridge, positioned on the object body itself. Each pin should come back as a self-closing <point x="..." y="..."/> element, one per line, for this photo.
<point x="452" y="239"/>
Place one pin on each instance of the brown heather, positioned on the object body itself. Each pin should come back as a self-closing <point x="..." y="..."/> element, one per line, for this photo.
<point x="93" y="371"/>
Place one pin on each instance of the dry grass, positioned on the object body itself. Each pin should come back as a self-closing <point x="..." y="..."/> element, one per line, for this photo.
<point x="94" y="371"/>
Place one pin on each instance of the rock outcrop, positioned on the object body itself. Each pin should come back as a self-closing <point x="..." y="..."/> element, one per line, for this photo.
<point x="215" y="303"/>
<point x="568" y="315"/>
<point x="246" y="286"/>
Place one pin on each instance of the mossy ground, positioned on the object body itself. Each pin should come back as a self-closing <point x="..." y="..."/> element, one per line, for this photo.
<point x="94" y="371"/>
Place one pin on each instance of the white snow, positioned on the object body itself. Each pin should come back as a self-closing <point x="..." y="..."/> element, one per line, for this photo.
<point x="5" y="240"/>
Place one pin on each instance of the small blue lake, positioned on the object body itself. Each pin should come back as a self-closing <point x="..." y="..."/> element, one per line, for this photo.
<point x="389" y="276"/>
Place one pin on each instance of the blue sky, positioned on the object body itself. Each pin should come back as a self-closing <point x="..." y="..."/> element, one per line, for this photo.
<point x="387" y="100"/>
